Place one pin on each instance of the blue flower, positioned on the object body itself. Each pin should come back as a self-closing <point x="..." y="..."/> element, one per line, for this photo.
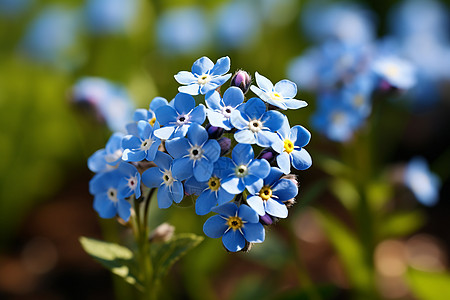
<point x="236" y="226"/>
<point x="242" y="170"/>
<point x="281" y="95"/>
<point x="268" y="196"/>
<point x="254" y="124"/>
<point x="109" y="157"/>
<point x="424" y="184"/>
<point x="104" y="186"/>
<point x="146" y="114"/>
<point x="290" y="145"/>
<point x="176" y="119"/>
<point x="130" y="182"/>
<point x="210" y="193"/>
<point x="194" y="155"/>
<point x="396" y="72"/>
<point x="219" y="110"/>
<point x="170" y="188"/>
<point x="206" y="76"/>
<point x="143" y="146"/>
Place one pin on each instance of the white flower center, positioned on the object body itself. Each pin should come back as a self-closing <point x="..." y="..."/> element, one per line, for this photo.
<point x="112" y="194"/>
<point x="241" y="171"/>
<point x="338" y="118"/>
<point x="146" y="144"/>
<point x="195" y="152"/>
<point x="132" y="182"/>
<point x="204" y="79"/>
<point x="255" y="125"/>
<point x="226" y="111"/>
<point x="168" y="178"/>
<point x="183" y="119"/>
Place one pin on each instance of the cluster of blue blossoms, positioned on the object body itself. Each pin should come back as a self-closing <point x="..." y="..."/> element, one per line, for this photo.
<point x="184" y="149"/>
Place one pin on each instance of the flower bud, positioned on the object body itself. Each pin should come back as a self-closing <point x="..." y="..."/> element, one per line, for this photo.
<point x="214" y="132"/>
<point x="242" y="80"/>
<point x="268" y="154"/>
<point x="162" y="233"/>
<point x="266" y="219"/>
<point x="225" y="144"/>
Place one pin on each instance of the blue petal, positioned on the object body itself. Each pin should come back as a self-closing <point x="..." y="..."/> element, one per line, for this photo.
<point x="227" y="209"/>
<point x="278" y="144"/>
<point x="151" y="152"/>
<point x="254" y="108"/>
<point x="256" y="203"/>
<point x="277" y="103"/>
<point x="242" y="154"/>
<point x="238" y="120"/>
<point x="104" y="207"/>
<point x="130" y="155"/>
<point x="197" y="135"/>
<point x="233" y="240"/>
<point x="165" y="115"/>
<point x="254" y="232"/>
<point x="301" y="160"/>
<point x="124" y="209"/>
<point x="255" y="187"/>
<point x="193" y="187"/>
<point x="183" y="103"/>
<point x="163" y="160"/>
<point x="198" y="115"/>
<point x="205" y="202"/>
<point x="96" y="162"/>
<point x="263" y="83"/>
<point x="164" y="197"/>
<point x="182" y="168"/>
<point x="223" y="167"/>
<point x="164" y="133"/>
<point x="177" y="147"/>
<point x="215" y="227"/>
<point x="233" y="96"/>
<point x="181" y="131"/>
<point x="210" y="86"/>
<point x="233" y="185"/>
<point x="276" y="209"/>
<point x="144" y="129"/>
<point x="177" y="192"/>
<point x="285" y="128"/>
<point x="285" y="189"/>
<point x="273" y="176"/>
<point x="131" y="142"/>
<point x="251" y="180"/>
<point x="294" y="103"/>
<point x="222" y="66"/>
<point x="266" y="138"/>
<point x="300" y="136"/>
<point x="259" y="168"/>
<point x="185" y="77"/>
<point x="284" y="162"/>
<point x="223" y="196"/>
<point x="212" y="150"/>
<point x="212" y="100"/>
<point x="192" y="89"/>
<point x="152" y="177"/>
<point x="203" y="170"/>
<point x="286" y="88"/>
<point x="217" y="119"/>
<point x="157" y="102"/>
<point x="202" y="66"/>
<point x="248" y="214"/>
<point x="273" y="120"/>
<point x="140" y="114"/>
<point x="245" y="136"/>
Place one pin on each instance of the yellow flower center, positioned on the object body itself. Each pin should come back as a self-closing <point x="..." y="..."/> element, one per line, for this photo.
<point x="288" y="146"/>
<point x="204" y="79"/>
<point x="214" y="183"/>
<point x="276" y="96"/>
<point x="358" y="100"/>
<point x="152" y="121"/>
<point x="235" y="223"/>
<point x="265" y="193"/>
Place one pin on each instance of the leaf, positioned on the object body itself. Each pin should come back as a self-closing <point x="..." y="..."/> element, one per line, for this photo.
<point x="346" y="192"/>
<point x="118" y="259"/>
<point x="166" y="254"/>
<point x="430" y="286"/>
<point x="401" y="224"/>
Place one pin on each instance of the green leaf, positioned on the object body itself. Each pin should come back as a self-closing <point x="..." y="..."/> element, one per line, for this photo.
<point x="164" y="255"/>
<point x="346" y="192"/>
<point x="430" y="286"/>
<point x="401" y="224"/>
<point x="118" y="259"/>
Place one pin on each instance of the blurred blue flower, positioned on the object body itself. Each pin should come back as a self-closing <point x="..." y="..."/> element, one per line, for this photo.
<point x="236" y="226"/>
<point x="182" y="30"/>
<point x="170" y="188"/>
<point x="109" y="157"/>
<point x="220" y="109"/>
<point x="130" y="181"/>
<point x="194" y="155"/>
<point x="255" y="124"/>
<point x="268" y="196"/>
<point x="142" y="146"/>
<point x="424" y="184"/>
<point x="290" y="145"/>
<point x="104" y="187"/>
<point x="281" y="95"/>
<point x="396" y="72"/>
<point x="177" y="118"/>
<point x="110" y="16"/>
<point x="242" y="170"/>
<point x="13" y="8"/>
<point x="205" y="76"/>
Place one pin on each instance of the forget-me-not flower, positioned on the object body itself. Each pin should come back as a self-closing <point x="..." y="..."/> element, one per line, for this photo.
<point x="146" y="114"/>
<point x="205" y="76"/>
<point x="194" y="155"/>
<point x="109" y="157"/>
<point x="220" y="109"/>
<point x="177" y="118"/>
<point x="130" y="182"/>
<point x="236" y="226"/>
<point x="170" y="188"/>
<point x="143" y="146"/>
<point x="398" y="73"/>
<point x="424" y="184"/>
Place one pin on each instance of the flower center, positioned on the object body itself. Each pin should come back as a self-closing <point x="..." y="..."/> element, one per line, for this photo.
<point x="241" y="171"/>
<point x="146" y="144"/>
<point x="276" y="96"/>
<point x="288" y="146"/>
<point x="204" y="79"/>
<point x="183" y="119"/>
<point x="112" y="194"/>
<point x="152" y="121"/>
<point x="235" y="223"/>
<point x="265" y="193"/>
<point x="255" y="125"/>
<point x="214" y="183"/>
<point x="132" y="182"/>
<point x="167" y="177"/>
<point x="226" y="111"/>
<point x="338" y="118"/>
<point x="195" y="152"/>
<point x="392" y="71"/>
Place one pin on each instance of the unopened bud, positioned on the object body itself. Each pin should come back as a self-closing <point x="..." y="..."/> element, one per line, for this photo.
<point x="266" y="219"/>
<point x="214" y="132"/>
<point x="268" y="154"/>
<point x="162" y="233"/>
<point x="225" y="144"/>
<point x="242" y="80"/>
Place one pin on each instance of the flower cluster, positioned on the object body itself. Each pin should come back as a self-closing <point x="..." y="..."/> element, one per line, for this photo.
<point x="208" y="151"/>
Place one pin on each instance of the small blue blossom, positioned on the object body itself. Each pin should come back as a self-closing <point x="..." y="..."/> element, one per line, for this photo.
<point x="236" y="226"/>
<point x="177" y="118"/>
<point x="146" y="114"/>
<point x="194" y="155"/>
<point x="281" y="95"/>
<point x="396" y="72"/>
<point x="242" y="170"/>
<point x="424" y="184"/>
<point x="220" y="109"/>
<point x="205" y="76"/>
<point x="109" y="157"/>
<point x="130" y="182"/>
<point x="255" y="124"/>
<point x="290" y="145"/>
<point x="143" y="146"/>
<point x="104" y="186"/>
<point x="170" y="188"/>
<point x="268" y="196"/>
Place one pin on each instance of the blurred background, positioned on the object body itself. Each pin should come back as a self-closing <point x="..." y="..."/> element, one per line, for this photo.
<point x="371" y="217"/>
